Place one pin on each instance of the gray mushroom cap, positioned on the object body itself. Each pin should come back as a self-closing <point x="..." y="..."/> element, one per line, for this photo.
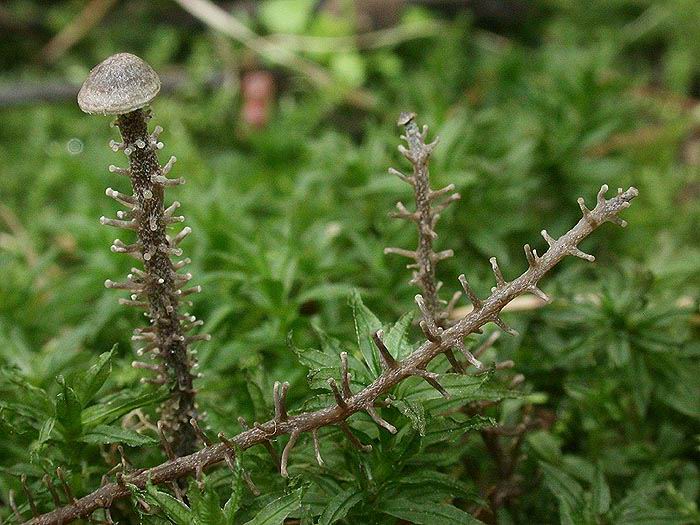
<point x="120" y="84"/>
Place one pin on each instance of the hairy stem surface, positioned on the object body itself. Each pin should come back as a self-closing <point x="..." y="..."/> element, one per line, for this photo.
<point x="159" y="287"/>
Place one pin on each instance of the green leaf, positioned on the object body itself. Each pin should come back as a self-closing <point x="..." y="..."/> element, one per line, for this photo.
<point x="205" y="504"/>
<point x="28" y="398"/>
<point x="115" y="406"/>
<point x="546" y="446"/>
<point x="105" y="434"/>
<point x="447" y="429"/>
<point x="46" y="430"/>
<point x="619" y="351"/>
<point x="459" y="386"/>
<point x="641" y="381"/>
<point x="275" y="512"/>
<point x="366" y="323"/>
<point x="174" y="510"/>
<point x="565" y="488"/>
<point x="152" y="519"/>
<point x="329" y="345"/>
<point x="430" y="478"/>
<point x="349" y="68"/>
<point x="234" y="502"/>
<point x="462" y="389"/>
<point x="652" y="516"/>
<point x="257" y="396"/>
<point x="87" y="384"/>
<point x="679" y="388"/>
<point x="396" y="339"/>
<point x="37" y="448"/>
<point x="313" y="359"/>
<point x="285" y="16"/>
<point x="324" y="292"/>
<point x="339" y="506"/>
<point x="68" y="411"/>
<point x="601" y="492"/>
<point x="414" y="411"/>
<point x="426" y="513"/>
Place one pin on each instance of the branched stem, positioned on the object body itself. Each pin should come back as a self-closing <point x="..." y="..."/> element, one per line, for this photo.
<point x="485" y="311"/>
<point x="429" y="204"/>
<point x="426" y="215"/>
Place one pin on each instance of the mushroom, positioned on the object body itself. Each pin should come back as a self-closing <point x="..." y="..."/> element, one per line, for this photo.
<point x="123" y="85"/>
<point x="120" y="84"/>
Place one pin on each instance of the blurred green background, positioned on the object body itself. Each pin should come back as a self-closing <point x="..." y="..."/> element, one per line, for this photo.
<point x="282" y="114"/>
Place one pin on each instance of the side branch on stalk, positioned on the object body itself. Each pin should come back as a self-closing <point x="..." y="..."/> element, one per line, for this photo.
<point x="348" y="403"/>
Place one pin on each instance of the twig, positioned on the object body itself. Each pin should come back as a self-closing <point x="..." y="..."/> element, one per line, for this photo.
<point x="507" y="485"/>
<point x="220" y="20"/>
<point x="429" y="204"/>
<point x="89" y="17"/>
<point x="388" y="37"/>
<point x="525" y="303"/>
<point x="24" y="92"/>
<point x="488" y="311"/>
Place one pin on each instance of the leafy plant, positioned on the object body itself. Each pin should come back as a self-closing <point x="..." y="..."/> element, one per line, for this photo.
<point x="384" y="362"/>
<point x="587" y="415"/>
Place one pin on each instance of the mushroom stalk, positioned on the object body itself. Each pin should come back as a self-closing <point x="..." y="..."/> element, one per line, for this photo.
<point x="160" y="289"/>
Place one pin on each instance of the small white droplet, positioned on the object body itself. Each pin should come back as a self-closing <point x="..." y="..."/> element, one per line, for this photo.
<point x="140" y="144"/>
<point x="147" y="256"/>
<point x="74" y="146"/>
<point x="148" y="194"/>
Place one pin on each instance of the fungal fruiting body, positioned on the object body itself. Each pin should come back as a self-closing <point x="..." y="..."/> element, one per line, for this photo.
<point x="123" y="85"/>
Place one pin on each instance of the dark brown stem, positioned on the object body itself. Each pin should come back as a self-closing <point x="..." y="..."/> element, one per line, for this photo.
<point x="488" y="311"/>
<point x="158" y="287"/>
